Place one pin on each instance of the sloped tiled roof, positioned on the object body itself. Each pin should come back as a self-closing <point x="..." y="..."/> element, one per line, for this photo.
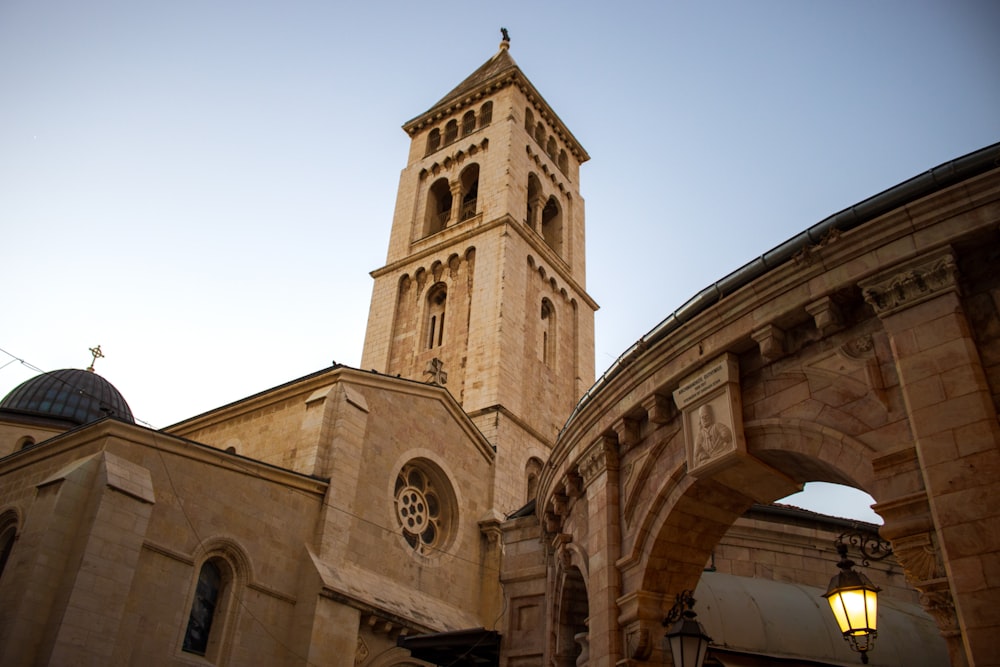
<point x="499" y="70"/>
<point x="494" y="68"/>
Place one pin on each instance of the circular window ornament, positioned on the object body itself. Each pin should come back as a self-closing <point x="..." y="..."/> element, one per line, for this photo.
<point x="422" y="509"/>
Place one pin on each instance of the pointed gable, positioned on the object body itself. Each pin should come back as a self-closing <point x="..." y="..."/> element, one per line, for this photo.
<point x="497" y="72"/>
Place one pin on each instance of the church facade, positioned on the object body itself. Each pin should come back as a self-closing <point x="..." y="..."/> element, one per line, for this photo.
<point x="473" y="497"/>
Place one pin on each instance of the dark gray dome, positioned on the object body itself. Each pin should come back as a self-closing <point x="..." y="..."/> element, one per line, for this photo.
<point x="71" y="395"/>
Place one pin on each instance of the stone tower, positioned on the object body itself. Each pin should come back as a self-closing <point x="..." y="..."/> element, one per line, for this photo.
<point x="483" y="290"/>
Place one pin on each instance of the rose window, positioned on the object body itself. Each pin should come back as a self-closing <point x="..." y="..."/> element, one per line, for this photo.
<point x="419" y="509"/>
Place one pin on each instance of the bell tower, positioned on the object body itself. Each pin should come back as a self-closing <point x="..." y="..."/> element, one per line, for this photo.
<point x="483" y="290"/>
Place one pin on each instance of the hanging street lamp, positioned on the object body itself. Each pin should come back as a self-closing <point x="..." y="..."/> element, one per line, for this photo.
<point x="853" y="597"/>
<point x="686" y="636"/>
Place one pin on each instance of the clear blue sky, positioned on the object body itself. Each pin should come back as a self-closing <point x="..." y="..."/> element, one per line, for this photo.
<point x="203" y="187"/>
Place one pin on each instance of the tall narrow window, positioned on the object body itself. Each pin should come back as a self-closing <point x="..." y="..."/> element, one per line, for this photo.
<point x="436" y="301"/>
<point x="486" y="114"/>
<point x="540" y="134"/>
<point x="8" y="534"/>
<point x="529" y="120"/>
<point x="533" y="470"/>
<point x="470" y="191"/>
<point x="563" y="162"/>
<point x="550" y="148"/>
<point x="207" y="598"/>
<point x="468" y="122"/>
<point x="547" y="343"/>
<point x="451" y="131"/>
<point x="433" y="140"/>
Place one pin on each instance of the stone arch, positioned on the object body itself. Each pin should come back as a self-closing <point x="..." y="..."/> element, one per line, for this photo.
<point x="571" y="613"/>
<point x="552" y="225"/>
<point x="439" y="205"/>
<point x="433" y="141"/>
<point x="532" y="471"/>
<point x="469" y="180"/>
<point x="468" y="122"/>
<point x="10" y="528"/>
<point x="811" y="452"/>
<point x="222" y="571"/>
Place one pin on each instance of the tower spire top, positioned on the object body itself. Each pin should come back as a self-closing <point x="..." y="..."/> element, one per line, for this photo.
<point x="505" y="42"/>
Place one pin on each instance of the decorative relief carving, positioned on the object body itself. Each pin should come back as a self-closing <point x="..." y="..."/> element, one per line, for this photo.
<point x="638" y="645"/>
<point x="810" y="254"/>
<point x="919" y="557"/>
<point x="712" y="414"/>
<point x="936" y="600"/>
<point x="361" y="653"/>
<point x="713" y="438"/>
<point x="598" y="459"/>
<point x="911" y="283"/>
<point x="860" y="348"/>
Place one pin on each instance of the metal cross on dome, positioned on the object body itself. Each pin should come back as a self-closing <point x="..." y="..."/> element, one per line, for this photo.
<point x="96" y="353"/>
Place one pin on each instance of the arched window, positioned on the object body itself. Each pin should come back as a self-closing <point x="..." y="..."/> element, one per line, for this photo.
<point x="550" y="148"/>
<point x="547" y="342"/>
<point x="540" y="133"/>
<point x="468" y="123"/>
<point x="8" y="535"/>
<point x="529" y="121"/>
<point x="436" y="301"/>
<point x="532" y="472"/>
<point x="470" y="191"/>
<point x="552" y="224"/>
<point x="563" y="162"/>
<point x="438" y="207"/>
<point x="25" y="442"/>
<point x="211" y="596"/>
<point x="433" y="140"/>
<point x="451" y="131"/>
<point x="486" y="114"/>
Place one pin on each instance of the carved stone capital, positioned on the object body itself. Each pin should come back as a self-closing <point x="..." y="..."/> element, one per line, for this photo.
<point x="910" y="283"/>
<point x="935" y="597"/>
<point x="598" y="459"/>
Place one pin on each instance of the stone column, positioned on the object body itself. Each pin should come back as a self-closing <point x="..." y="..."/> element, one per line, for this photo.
<point x="955" y="434"/>
<point x="599" y="469"/>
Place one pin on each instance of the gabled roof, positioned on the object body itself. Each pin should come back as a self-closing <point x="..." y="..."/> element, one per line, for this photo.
<point x="500" y="70"/>
<point x="495" y="68"/>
